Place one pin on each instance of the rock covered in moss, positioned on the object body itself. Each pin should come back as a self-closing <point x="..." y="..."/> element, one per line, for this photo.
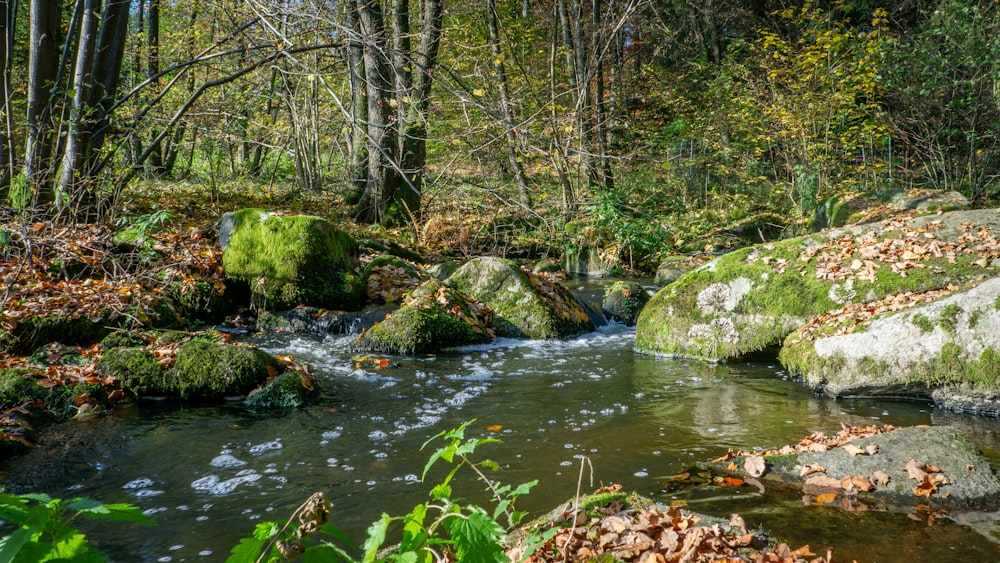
<point x="305" y="320"/>
<point x="136" y="370"/>
<point x="948" y="346"/>
<point x="20" y="385"/>
<point x="623" y="301"/>
<point x="287" y="390"/>
<point x="290" y="260"/>
<point x="672" y="268"/>
<point x="202" y="370"/>
<point x="28" y="333"/>
<point x="388" y="278"/>
<point x="586" y="260"/>
<point x="524" y="306"/>
<point x="433" y="318"/>
<point x="752" y="298"/>
<point x="442" y="270"/>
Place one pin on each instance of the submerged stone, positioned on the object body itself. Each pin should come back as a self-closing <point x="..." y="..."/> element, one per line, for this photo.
<point x="287" y="390"/>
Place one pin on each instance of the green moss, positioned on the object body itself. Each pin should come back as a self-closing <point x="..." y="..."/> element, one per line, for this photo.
<point x="188" y="304"/>
<point x="285" y="391"/>
<point x="948" y="318"/>
<point x="922" y="322"/>
<point x="623" y="301"/>
<point x="136" y="369"/>
<point x="975" y="316"/>
<point x="996" y="303"/>
<point x="120" y="339"/>
<point x="209" y="370"/>
<point x="34" y="332"/>
<point x="427" y="323"/>
<point x="783" y="463"/>
<point x="292" y="260"/>
<point x="19" y="385"/>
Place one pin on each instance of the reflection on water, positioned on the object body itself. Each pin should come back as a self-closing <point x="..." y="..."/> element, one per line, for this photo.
<point x="207" y="474"/>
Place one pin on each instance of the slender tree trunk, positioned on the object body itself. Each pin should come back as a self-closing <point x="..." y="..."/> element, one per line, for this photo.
<point x="516" y="164"/>
<point x="414" y="149"/>
<point x="358" y="134"/>
<point x="382" y="134"/>
<point x="152" y="71"/>
<point x="81" y="114"/>
<point x="42" y="69"/>
<point x="602" y="108"/>
<point x="8" y="19"/>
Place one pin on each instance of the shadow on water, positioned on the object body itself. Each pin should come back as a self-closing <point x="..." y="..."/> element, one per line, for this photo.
<point x="208" y="473"/>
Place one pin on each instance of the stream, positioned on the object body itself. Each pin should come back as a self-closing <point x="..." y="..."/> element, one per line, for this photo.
<point x="587" y="409"/>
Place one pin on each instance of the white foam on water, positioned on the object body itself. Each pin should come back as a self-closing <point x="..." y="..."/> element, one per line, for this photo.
<point x="265" y="447"/>
<point x="225" y="461"/>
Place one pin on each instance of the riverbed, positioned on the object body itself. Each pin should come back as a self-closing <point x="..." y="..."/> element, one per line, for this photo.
<point x="585" y="410"/>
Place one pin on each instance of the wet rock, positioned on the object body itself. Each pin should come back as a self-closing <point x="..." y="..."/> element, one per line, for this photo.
<point x="286" y="261"/>
<point x="927" y="200"/>
<point x="972" y="482"/>
<point x="305" y="320"/>
<point x="435" y="317"/>
<point x="288" y="390"/>
<point x="523" y="306"/>
<point x="623" y="301"/>
<point x="586" y="260"/>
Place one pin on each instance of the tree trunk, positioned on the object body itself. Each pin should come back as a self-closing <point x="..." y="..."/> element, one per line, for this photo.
<point x="358" y="133"/>
<point x="152" y="70"/>
<point x="602" y="107"/>
<point x="81" y="114"/>
<point x="414" y="148"/>
<point x="42" y="68"/>
<point x="516" y="164"/>
<point x="382" y="178"/>
<point x="8" y="18"/>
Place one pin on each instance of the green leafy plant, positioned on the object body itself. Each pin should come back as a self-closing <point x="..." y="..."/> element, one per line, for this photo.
<point x="442" y="529"/>
<point x="45" y="531"/>
<point x="136" y="229"/>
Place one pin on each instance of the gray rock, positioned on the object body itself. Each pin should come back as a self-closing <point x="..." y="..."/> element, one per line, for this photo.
<point x="587" y="261"/>
<point x="941" y="446"/>
<point x="950" y="346"/>
<point x="623" y="301"/>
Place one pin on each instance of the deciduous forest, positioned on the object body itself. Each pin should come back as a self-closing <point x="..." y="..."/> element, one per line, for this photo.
<point x="640" y="127"/>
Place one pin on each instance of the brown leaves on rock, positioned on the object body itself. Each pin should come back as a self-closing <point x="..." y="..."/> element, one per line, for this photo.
<point x="557" y="297"/>
<point x="819" y="442"/>
<point x="389" y="283"/>
<point x="928" y="477"/>
<point x="658" y="536"/>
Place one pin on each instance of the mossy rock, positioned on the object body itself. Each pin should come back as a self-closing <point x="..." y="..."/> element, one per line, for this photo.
<point x="292" y="260"/>
<point x="547" y="266"/>
<point x="586" y="260"/>
<point x="435" y="317"/>
<point x="200" y="302"/>
<point x="951" y="343"/>
<point x="305" y="320"/>
<point x="206" y="370"/>
<point x="18" y="385"/>
<point x="136" y="370"/>
<point x="519" y="308"/>
<point x="623" y="301"/>
<point x="752" y="298"/>
<point x="284" y="392"/>
<point x="388" y="278"/>
<point x="442" y="270"/>
<point x="120" y="339"/>
<point x="32" y="332"/>
<point x="671" y="269"/>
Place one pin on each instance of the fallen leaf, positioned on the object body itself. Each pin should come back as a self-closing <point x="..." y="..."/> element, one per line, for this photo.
<point x="854" y="450"/>
<point x="823" y="481"/>
<point x="494" y="427"/>
<point x="826" y="498"/>
<point x="916" y="470"/>
<point x="857" y="483"/>
<point x="811" y="468"/>
<point x="882" y="478"/>
<point x="755" y="465"/>
<point x="926" y="488"/>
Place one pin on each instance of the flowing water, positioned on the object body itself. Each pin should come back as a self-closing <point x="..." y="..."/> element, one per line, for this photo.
<point x="585" y="409"/>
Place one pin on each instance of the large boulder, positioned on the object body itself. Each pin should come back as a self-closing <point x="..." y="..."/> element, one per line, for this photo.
<point x="434" y="317"/>
<point x="948" y="346"/>
<point x="291" y="260"/>
<point x="752" y="298"/>
<point x="524" y="305"/>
